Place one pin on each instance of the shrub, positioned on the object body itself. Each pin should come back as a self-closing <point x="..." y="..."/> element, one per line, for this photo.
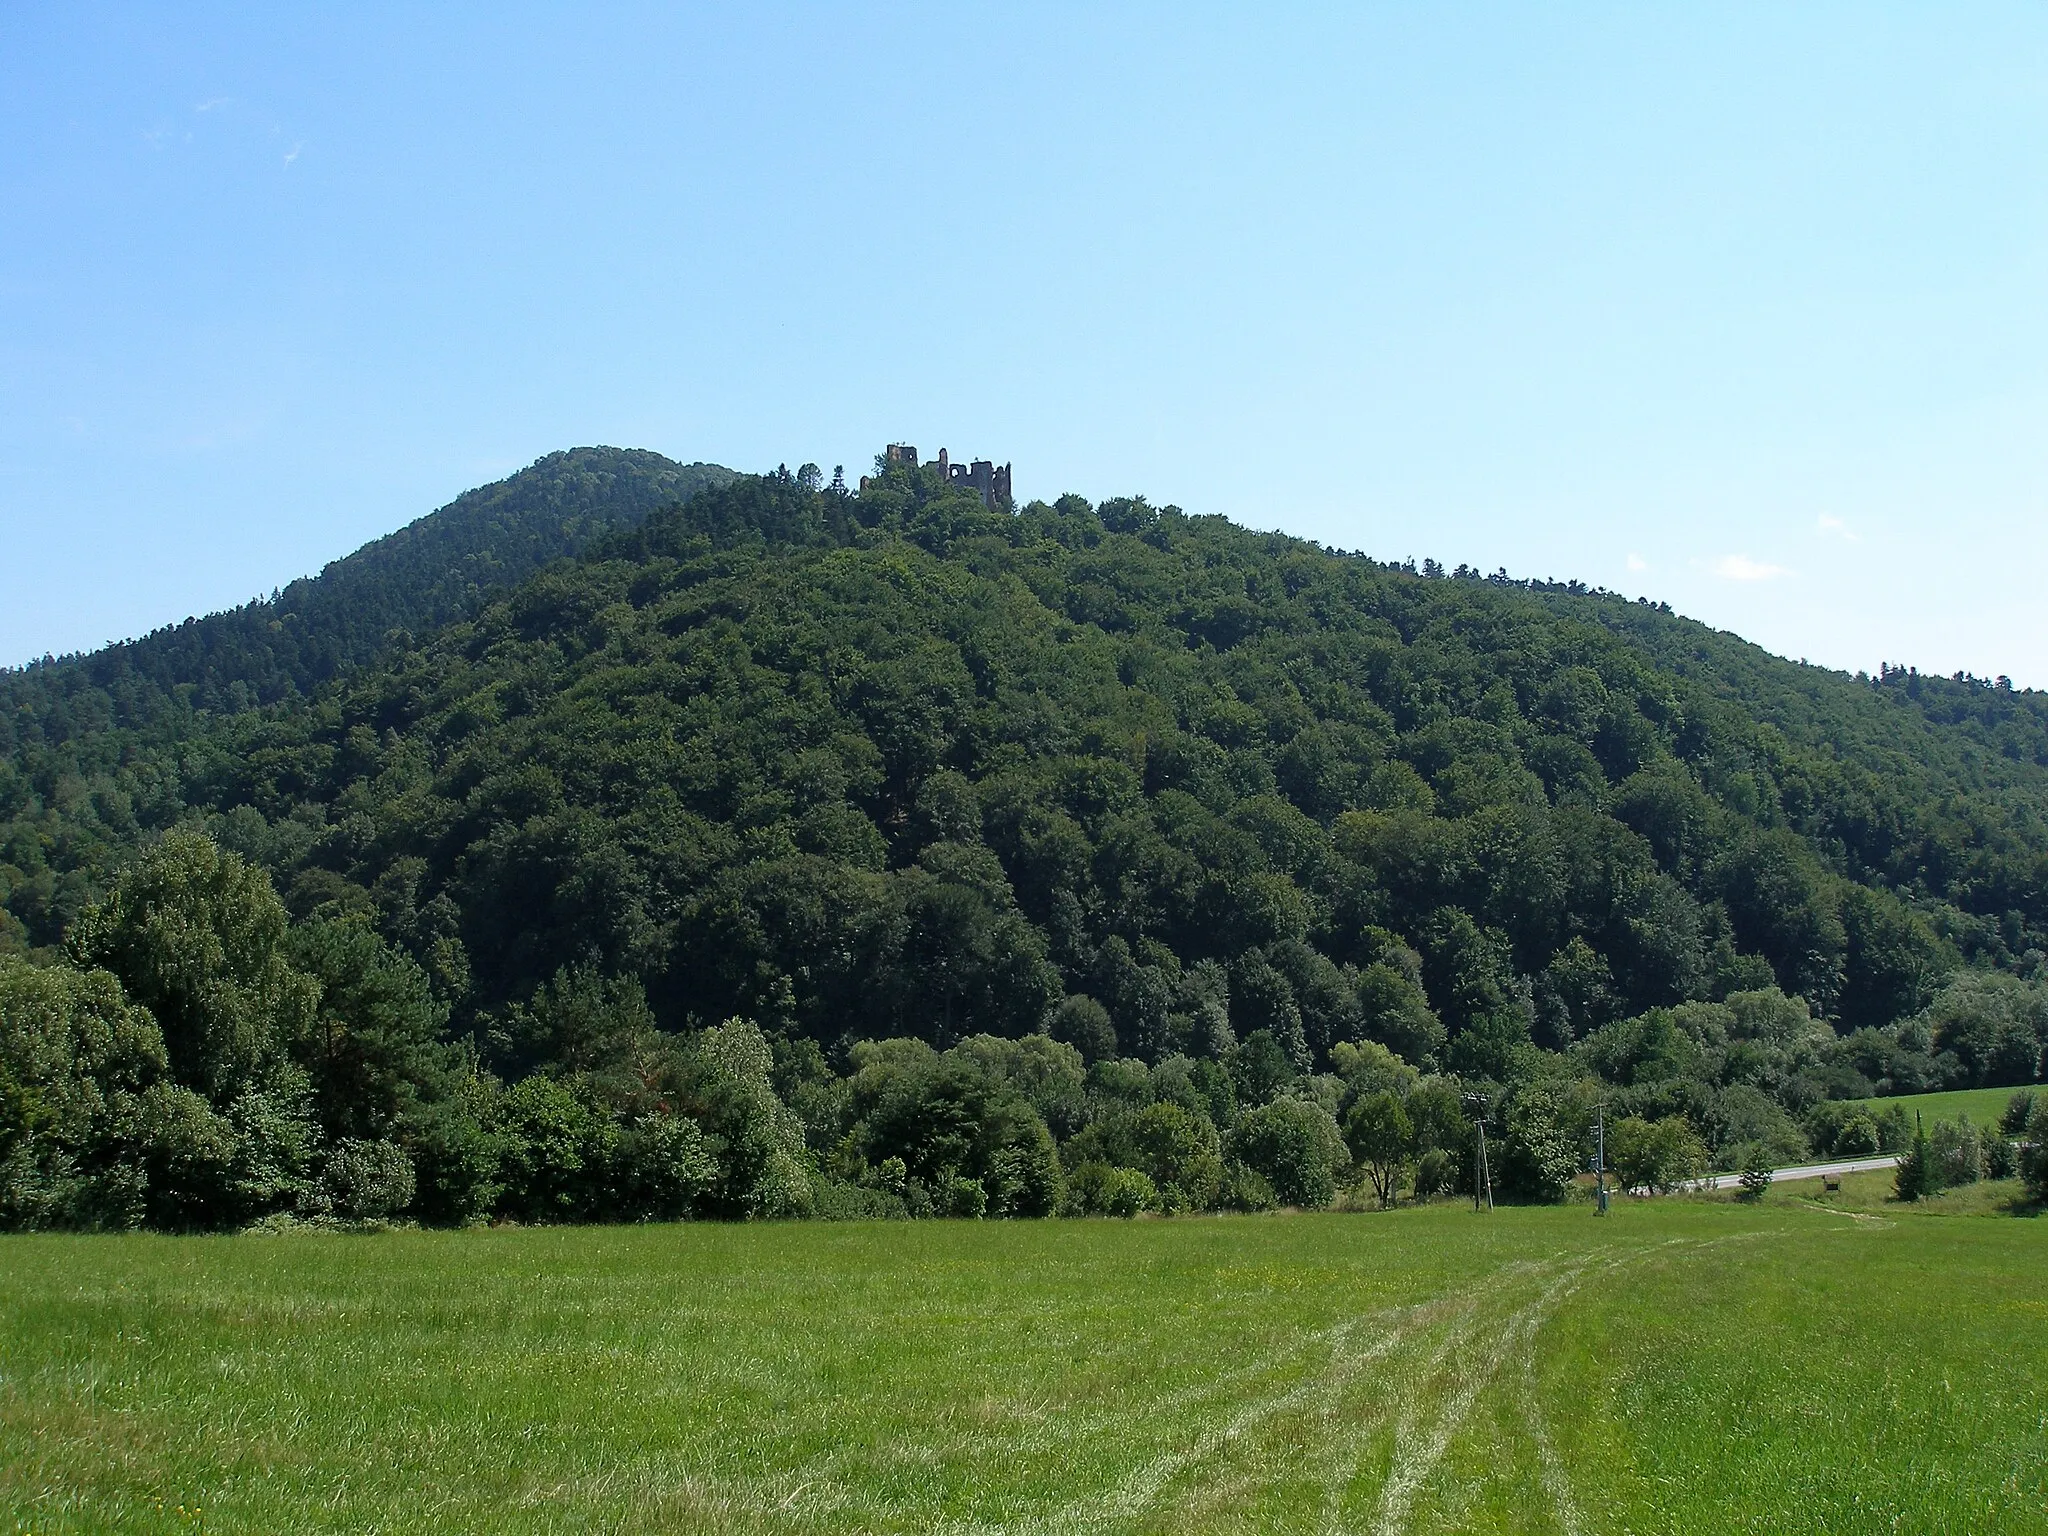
<point x="2018" y="1110"/>
<point x="662" y="1167"/>
<point x="456" y="1157"/>
<point x="1434" y="1174"/>
<point x="554" y="1152"/>
<point x="276" y="1142"/>
<point x="188" y="1154"/>
<point x="2034" y="1165"/>
<point x="964" y="1199"/>
<point x="1857" y="1137"/>
<point x="367" y="1180"/>
<point x="1245" y="1189"/>
<point x="759" y="1140"/>
<point x="2001" y="1158"/>
<point x="1658" y="1156"/>
<point x="833" y="1200"/>
<point x="1958" y="1153"/>
<point x="1022" y="1176"/>
<point x="1917" y="1176"/>
<point x="1098" y="1189"/>
<point x="1174" y="1147"/>
<point x="1296" y="1147"/>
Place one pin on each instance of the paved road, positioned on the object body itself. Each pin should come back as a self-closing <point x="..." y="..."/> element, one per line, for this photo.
<point x="1806" y="1171"/>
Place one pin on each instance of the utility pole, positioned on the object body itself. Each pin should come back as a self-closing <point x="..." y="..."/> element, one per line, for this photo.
<point x="1600" y="1156"/>
<point x="1482" y="1174"/>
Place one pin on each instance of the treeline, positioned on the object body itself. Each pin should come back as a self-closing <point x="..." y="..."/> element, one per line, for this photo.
<point x="197" y="1060"/>
<point x="1148" y="788"/>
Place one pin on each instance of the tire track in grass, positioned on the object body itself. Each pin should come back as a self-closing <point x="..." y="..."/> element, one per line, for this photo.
<point x="1461" y="1324"/>
<point x="1141" y="1488"/>
<point x="1418" y="1450"/>
<point x="1327" y="1404"/>
<point x="1557" y="1483"/>
<point x="1347" y="1452"/>
<point x="1517" y="1332"/>
<point x="1418" y="1453"/>
<point x="819" y="1470"/>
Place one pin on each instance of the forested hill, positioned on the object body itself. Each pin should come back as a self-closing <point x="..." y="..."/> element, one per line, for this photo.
<point x="1174" y="738"/>
<point x="791" y="849"/>
<point x="408" y="582"/>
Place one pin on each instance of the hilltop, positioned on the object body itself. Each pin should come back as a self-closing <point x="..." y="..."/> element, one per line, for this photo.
<point x="428" y="572"/>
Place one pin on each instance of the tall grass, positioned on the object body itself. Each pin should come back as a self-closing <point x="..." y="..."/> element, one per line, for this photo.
<point x="1679" y="1366"/>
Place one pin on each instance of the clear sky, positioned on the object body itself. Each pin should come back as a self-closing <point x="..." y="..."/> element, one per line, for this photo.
<point x="1741" y="307"/>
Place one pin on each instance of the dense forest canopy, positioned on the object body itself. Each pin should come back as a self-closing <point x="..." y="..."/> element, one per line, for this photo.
<point x="301" y="636"/>
<point x="790" y="849"/>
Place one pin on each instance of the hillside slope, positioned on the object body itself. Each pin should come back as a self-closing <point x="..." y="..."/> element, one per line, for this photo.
<point x="1140" y="742"/>
<point x="413" y="580"/>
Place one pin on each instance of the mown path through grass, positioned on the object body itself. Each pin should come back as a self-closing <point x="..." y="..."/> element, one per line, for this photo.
<point x="1682" y="1366"/>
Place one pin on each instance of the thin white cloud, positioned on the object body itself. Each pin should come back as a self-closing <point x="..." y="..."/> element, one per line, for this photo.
<point x="1636" y="562"/>
<point x="1839" y="528"/>
<point x="293" y="153"/>
<point x="1742" y="568"/>
<point x="210" y="103"/>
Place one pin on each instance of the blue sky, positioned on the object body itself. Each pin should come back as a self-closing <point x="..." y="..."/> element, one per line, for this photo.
<point x="1742" y="307"/>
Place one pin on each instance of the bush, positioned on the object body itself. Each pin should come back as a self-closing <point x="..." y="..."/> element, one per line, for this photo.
<point x="1958" y="1153"/>
<point x="1434" y="1174"/>
<point x="1098" y="1189"/>
<point x="833" y="1200"/>
<point x="2034" y="1164"/>
<point x="1023" y="1175"/>
<point x="1657" y="1156"/>
<point x="1296" y="1147"/>
<point x="188" y="1154"/>
<point x="2019" y="1109"/>
<point x="2001" y="1158"/>
<point x="367" y="1180"/>
<point x="662" y="1167"/>
<point x="554" y="1152"/>
<point x="1857" y="1137"/>
<point x="1174" y="1147"/>
<point x="1918" y="1173"/>
<point x="1245" y="1189"/>
<point x="456" y="1158"/>
<point x="964" y="1199"/>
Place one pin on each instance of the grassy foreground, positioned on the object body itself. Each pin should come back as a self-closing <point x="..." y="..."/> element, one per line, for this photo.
<point x="1685" y="1365"/>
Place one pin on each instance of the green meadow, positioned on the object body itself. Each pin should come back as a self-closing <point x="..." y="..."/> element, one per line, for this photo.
<point x="1683" y="1365"/>
<point x="1982" y="1105"/>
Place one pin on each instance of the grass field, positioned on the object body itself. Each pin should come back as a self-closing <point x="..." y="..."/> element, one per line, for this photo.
<point x="1982" y="1105"/>
<point x="1685" y="1365"/>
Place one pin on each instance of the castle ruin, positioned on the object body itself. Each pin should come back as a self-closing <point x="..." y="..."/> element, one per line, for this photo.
<point x="987" y="479"/>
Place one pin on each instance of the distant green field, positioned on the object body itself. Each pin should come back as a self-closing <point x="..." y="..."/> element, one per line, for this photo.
<point x="1982" y="1105"/>
<point x="1683" y="1366"/>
